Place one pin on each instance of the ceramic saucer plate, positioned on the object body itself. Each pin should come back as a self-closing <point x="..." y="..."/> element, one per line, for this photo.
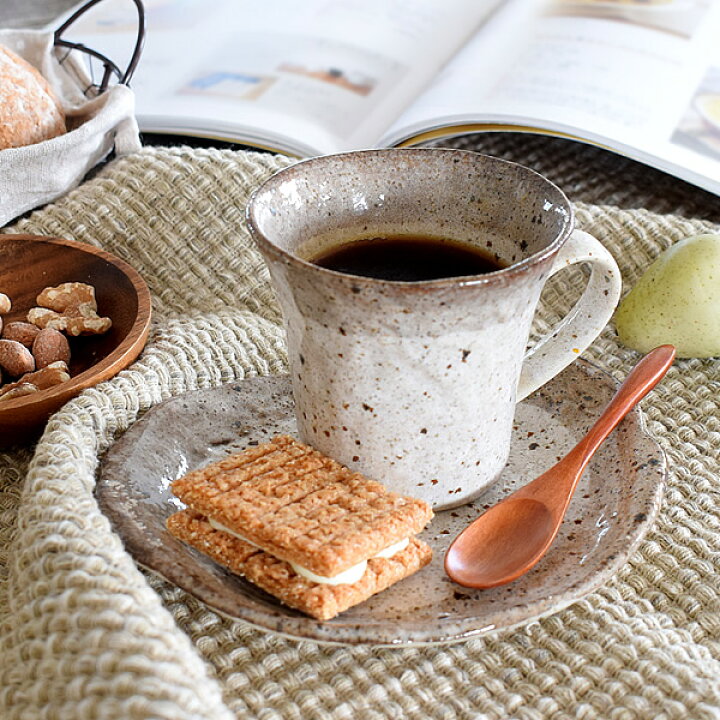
<point x="615" y="503"/>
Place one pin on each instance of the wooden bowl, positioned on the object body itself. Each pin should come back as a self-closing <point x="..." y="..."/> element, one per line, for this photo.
<point x="30" y="263"/>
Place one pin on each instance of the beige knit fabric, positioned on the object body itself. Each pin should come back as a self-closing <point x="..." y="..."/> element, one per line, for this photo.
<point x="85" y="634"/>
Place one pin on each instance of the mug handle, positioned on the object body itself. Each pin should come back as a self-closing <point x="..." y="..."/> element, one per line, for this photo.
<point x="586" y="319"/>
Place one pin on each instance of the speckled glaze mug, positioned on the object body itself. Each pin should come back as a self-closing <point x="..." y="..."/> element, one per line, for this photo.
<point x="415" y="383"/>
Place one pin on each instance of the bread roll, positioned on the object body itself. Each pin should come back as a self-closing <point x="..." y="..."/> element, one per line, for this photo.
<point x="29" y="110"/>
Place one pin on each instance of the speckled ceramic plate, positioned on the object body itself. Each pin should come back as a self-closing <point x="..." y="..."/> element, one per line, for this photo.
<point x="616" y="501"/>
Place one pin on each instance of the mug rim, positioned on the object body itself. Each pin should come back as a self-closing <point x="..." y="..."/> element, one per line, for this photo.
<point x="501" y="275"/>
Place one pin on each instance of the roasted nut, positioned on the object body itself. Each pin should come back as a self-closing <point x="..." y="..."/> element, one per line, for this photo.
<point x="74" y="320"/>
<point x="15" y="358"/>
<point x="61" y="297"/>
<point x="5" y="304"/>
<point x="49" y="376"/>
<point x="43" y="317"/>
<point x="21" y="390"/>
<point x="59" y="365"/>
<point x="50" y="346"/>
<point x="84" y="320"/>
<point x="22" y="332"/>
<point x="41" y="379"/>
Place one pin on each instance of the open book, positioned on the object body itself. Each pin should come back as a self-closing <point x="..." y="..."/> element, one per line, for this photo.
<point x="641" y="77"/>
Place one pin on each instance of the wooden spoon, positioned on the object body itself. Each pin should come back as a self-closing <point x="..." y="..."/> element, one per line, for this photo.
<point x="512" y="536"/>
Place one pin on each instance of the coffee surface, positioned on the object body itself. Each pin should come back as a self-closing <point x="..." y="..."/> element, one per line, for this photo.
<point x="408" y="258"/>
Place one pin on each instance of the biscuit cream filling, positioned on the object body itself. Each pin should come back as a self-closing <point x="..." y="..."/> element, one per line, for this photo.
<point x="346" y="577"/>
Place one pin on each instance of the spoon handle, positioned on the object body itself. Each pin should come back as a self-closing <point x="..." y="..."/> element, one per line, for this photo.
<point x="641" y="380"/>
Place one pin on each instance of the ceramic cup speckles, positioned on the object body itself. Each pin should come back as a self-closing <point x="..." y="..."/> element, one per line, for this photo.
<point x="415" y="384"/>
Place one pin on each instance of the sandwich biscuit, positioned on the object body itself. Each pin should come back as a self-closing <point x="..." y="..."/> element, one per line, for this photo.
<point x="318" y="536"/>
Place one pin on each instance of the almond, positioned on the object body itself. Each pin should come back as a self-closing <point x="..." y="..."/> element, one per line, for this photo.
<point x="22" y="332"/>
<point x="15" y="358"/>
<point x="5" y="304"/>
<point x="49" y="347"/>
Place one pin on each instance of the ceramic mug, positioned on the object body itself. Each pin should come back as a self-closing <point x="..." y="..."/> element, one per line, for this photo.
<point x="415" y="383"/>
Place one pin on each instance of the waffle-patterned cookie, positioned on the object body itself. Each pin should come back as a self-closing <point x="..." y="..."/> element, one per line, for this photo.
<point x="281" y="506"/>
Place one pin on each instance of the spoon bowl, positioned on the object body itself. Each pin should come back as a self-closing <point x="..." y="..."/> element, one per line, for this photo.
<point x="500" y="558"/>
<point x="512" y="536"/>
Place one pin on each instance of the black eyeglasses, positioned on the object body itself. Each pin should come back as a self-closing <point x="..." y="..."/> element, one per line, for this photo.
<point x="109" y="68"/>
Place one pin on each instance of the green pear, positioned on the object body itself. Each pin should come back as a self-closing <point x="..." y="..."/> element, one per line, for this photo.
<point x="676" y="301"/>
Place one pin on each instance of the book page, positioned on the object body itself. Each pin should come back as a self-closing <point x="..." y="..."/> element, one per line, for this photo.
<point x="621" y="73"/>
<point x="321" y="75"/>
<point x="697" y="133"/>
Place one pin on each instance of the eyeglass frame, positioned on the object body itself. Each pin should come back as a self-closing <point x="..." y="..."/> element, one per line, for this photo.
<point x="110" y="68"/>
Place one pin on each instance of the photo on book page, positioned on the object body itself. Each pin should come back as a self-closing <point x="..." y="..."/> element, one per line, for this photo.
<point x="313" y="78"/>
<point x="229" y="84"/>
<point x="699" y="128"/>
<point x="677" y="17"/>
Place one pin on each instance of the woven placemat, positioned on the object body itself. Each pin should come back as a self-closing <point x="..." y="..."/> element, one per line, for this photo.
<point x="86" y="634"/>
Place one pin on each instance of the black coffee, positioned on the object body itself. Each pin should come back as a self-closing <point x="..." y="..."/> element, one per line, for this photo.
<point x="408" y="258"/>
